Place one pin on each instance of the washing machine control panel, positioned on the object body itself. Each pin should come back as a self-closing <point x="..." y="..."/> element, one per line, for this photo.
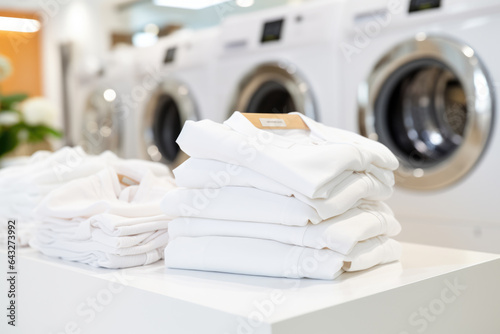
<point x="418" y="5"/>
<point x="169" y="55"/>
<point x="272" y="31"/>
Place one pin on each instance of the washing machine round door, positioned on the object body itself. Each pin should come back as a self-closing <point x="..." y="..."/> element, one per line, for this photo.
<point x="274" y="88"/>
<point x="170" y="105"/>
<point x="101" y="125"/>
<point x="430" y="101"/>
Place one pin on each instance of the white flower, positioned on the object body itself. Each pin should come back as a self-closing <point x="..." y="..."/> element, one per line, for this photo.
<point x="9" y="118"/>
<point x="39" y="111"/>
<point x="5" y="68"/>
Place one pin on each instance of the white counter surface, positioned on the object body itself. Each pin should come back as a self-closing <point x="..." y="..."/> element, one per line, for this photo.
<point x="432" y="290"/>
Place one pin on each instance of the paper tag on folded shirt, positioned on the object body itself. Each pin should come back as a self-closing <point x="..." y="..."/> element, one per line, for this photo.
<point x="276" y="121"/>
<point x="126" y="181"/>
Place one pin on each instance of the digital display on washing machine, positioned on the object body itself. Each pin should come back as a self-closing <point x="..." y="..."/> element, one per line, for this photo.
<point x="169" y="55"/>
<point x="418" y="5"/>
<point x="272" y="31"/>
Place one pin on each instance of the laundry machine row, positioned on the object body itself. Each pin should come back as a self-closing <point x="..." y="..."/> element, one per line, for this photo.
<point x="423" y="80"/>
<point x="272" y="61"/>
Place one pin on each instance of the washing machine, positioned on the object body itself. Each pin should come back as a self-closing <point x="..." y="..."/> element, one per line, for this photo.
<point x="100" y="124"/>
<point x="99" y="128"/>
<point x="80" y="87"/>
<point x="176" y="83"/>
<point x="281" y="60"/>
<point x="422" y="78"/>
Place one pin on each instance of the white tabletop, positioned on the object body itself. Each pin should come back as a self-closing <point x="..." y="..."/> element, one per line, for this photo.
<point x="184" y="301"/>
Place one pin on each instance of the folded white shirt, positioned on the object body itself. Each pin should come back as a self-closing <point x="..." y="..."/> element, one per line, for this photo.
<point x="103" y="240"/>
<point x="238" y="203"/>
<point x="105" y="228"/>
<point x="339" y="234"/>
<point x="114" y="225"/>
<point x="209" y="173"/>
<point x="345" y="194"/>
<point x="270" y="258"/>
<point x="103" y="193"/>
<point x="98" y="258"/>
<point x="45" y="239"/>
<point x="305" y="161"/>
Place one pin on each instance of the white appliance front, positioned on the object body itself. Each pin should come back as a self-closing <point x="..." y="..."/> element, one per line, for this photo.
<point x="280" y="60"/>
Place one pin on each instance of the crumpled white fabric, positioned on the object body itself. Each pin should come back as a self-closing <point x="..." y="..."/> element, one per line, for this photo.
<point x="103" y="193"/>
<point x="22" y="187"/>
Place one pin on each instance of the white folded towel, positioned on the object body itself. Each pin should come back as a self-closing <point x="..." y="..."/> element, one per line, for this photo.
<point x="305" y="161"/>
<point x="270" y="258"/>
<point x="339" y="234"/>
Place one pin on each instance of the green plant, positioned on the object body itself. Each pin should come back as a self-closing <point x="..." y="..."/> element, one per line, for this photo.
<point x="23" y="119"/>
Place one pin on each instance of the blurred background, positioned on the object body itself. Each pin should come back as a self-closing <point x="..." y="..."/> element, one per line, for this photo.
<point x="420" y="76"/>
<point x="55" y="48"/>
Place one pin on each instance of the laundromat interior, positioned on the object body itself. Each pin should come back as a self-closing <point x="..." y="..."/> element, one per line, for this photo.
<point x="250" y="166"/>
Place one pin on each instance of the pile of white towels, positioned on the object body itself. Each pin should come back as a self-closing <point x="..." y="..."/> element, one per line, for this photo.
<point x="99" y="210"/>
<point x="285" y="203"/>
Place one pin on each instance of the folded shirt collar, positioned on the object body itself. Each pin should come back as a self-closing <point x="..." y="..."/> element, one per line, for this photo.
<point x="241" y="124"/>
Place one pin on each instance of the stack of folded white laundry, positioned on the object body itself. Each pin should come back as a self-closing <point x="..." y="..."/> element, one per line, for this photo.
<point x="110" y="219"/>
<point x="286" y="203"/>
